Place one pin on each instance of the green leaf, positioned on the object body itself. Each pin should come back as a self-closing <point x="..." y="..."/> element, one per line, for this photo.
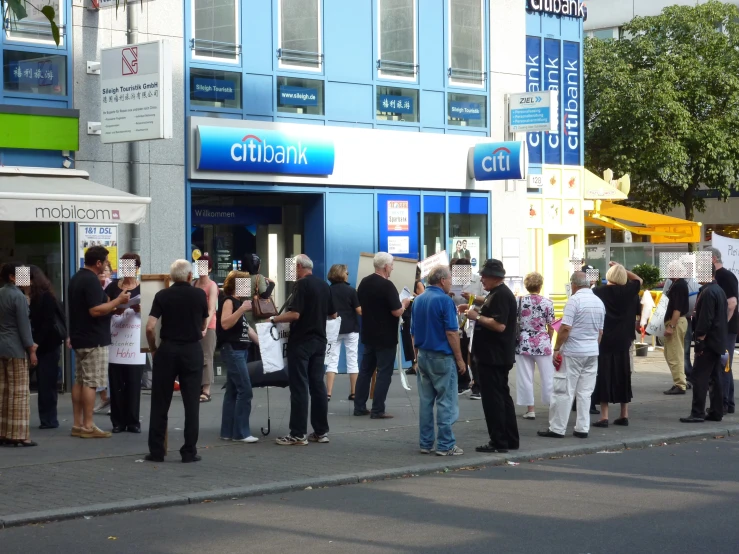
<point x="48" y="11"/>
<point x="18" y="9"/>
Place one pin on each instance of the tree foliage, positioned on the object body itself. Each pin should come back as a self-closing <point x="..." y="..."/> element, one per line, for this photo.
<point x="662" y="103"/>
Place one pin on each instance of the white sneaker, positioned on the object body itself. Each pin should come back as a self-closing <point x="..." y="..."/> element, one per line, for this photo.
<point x="314" y="437"/>
<point x="529" y="415"/>
<point x="455" y="451"/>
<point x="475" y="396"/>
<point x="102" y="406"/>
<point x="427" y="450"/>
<point x="250" y="439"/>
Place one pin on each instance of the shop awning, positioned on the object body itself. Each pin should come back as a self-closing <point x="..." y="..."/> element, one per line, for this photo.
<point x="662" y="228"/>
<point x="31" y="194"/>
<point x="598" y="189"/>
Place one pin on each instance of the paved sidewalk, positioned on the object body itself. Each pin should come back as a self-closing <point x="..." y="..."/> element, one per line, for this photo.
<point x="66" y="477"/>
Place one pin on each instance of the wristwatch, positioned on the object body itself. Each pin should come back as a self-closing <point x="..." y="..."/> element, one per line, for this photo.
<point x="272" y="320"/>
<point x="671" y="326"/>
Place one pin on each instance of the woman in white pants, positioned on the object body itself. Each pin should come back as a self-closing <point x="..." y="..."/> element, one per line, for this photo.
<point x="347" y="307"/>
<point x="534" y="345"/>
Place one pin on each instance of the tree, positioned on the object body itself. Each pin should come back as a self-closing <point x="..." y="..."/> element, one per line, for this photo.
<point x="662" y="103"/>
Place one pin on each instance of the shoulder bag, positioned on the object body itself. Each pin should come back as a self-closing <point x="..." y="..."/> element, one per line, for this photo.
<point x="263" y="308"/>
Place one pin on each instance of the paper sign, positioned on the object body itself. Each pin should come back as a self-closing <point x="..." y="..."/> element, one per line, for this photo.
<point x="405" y="294"/>
<point x="98" y="235"/>
<point x="398" y="245"/>
<point x="125" y="334"/>
<point x="397" y="215"/>
<point x="440" y="258"/>
<point x="729" y="249"/>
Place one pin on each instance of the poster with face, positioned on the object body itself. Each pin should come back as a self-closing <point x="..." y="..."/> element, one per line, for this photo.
<point x="466" y="248"/>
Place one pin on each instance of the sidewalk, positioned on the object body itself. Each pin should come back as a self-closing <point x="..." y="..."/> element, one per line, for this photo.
<point x="66" y="477"/>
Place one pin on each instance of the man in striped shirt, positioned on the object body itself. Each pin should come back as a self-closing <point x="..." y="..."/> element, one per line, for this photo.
<point x="577" y="341"/>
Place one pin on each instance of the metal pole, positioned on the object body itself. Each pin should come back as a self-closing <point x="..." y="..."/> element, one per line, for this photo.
<point x="133" y="146"/>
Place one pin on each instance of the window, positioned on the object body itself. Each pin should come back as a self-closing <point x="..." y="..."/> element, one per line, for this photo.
<point x="627" y="237"/>
<point x="595" y="235"/>
<point x="731" y="231"/>
<point x="397" y="39"/>
<point x="468" y="229"/>
<point x="215" y="30"/>
<point x="397" y="104"/>
<point x="434" y="230"/>
<point x="300" y="34"/>
<point x="299" y="96"/>
<point x="466" y="110"/>
<point x="33" y="73"/>
<point x="605" y="34"/>
<point x="215" y="89"/>
<point x="35" y="28"/>
<point x="466" y="42"/>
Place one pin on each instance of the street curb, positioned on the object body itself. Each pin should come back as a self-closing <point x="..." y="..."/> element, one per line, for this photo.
<point x="444" y="465"/>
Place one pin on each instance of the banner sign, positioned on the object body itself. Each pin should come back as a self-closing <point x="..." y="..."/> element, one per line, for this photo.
<point x="729" y="249"/>
<point x="395" y="104"/>
<point x="247" y="150"/>
<point x="571" y="103"/>
<point x="464" y="110"/>
<point x="397" y="215"/>
<point x="125" y="333"/>
<point x="440" y="258"/>
<point x="538" y="111"/>
<point x="298" y="96"/>
<point x="102" y="235"/>
<point x="571" y="8"/>
<point x="534" y="84"/>
<point x="213" y="89"/>
<point x="498" y="161"/>
<point x="552" y="79"/>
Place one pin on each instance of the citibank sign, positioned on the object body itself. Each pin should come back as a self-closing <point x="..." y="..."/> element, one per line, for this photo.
<point x="498" y="161"/>
<point x="571" y="8"/>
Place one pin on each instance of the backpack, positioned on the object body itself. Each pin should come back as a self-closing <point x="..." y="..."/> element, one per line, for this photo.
<point x="59" y="324"/>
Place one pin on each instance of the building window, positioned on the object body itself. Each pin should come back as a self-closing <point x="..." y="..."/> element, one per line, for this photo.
<point x="300" y="34"/>
<point x="33" y="73"/>
<point x="468" y="230"/>
<point x="215" y="30"/>
<point x="466" y="110"/>
<point x="466" y="43"/>
<point x="35" y="27"/>
<point x="299" y="96"/>
<point x="595" y="235"/>
<point x="215" y="89"/>
<point x="627" y="237"/>
<point x="434" y="226"/>
<point x="397" y="104"/>
<point x="731" y="231"/>
<point x="605" y="34"/>
<point x="397" y="39"/>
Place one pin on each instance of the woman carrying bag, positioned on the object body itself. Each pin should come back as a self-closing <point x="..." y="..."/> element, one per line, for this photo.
<point x="262" y="305"/>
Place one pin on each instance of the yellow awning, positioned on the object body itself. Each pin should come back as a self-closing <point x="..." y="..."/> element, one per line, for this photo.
<point x="598" y="189"/>
<point x="662" y="228"/>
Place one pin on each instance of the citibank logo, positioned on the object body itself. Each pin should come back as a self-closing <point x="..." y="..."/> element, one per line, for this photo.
<point x="236" y="149"/>
<point x="572" y="8"/>
<point x="498" y="161"/>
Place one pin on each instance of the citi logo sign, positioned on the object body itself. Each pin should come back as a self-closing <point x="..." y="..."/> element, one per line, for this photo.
<point x="500" y="160"/>
<point x="253" y="149"/>
<point x="572" y="8"/>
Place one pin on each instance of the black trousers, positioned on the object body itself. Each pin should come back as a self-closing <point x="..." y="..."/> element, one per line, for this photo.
<point x="171" y="361"/>
<point x="382" y="359"/>
<point x="47" y="380"/>
<point x="500" y="413"/>
<point x="125" y="394"/>
<point x="305" y="371"/>
<point x="707" y="378"/>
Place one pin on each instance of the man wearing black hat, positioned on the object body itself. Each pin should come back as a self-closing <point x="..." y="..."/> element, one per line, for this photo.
<point x="493" y="352"/>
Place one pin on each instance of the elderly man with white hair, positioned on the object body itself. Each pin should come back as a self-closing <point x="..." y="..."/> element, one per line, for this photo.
<point x="183" y="311"/>
<point x="309" y="307"/>
<point x="381" y="310"/>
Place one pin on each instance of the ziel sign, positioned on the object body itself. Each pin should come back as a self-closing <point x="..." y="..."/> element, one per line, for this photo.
<point x="531" y="112"/>
<point x="571" y="8"/>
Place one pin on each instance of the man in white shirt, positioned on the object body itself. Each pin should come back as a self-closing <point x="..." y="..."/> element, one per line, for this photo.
<point x="577" y="342"/>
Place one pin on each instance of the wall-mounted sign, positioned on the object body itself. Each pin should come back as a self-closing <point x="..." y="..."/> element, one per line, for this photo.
<point x="464" y="110"/>
<point x="498" y="161"/>
<point x="98" y="235"/>
<point x="552" y="82"/>
<point x="397" y="215"/>
<point x="298" y="96"/>
<point x="213" y="89"/>
<point x="395" y="104"/>
<point x="534" y="84"/>
<point x="571" y="8"/>
<point x="534" y="111"/>
<point x="136" y="91"/>
<point x="571" y="103"/>
<point x="246" y="150"/>
<point x="536" y="181"/>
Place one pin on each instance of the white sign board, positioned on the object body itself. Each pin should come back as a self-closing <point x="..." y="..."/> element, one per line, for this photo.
<point x="440" y="258"/>
<point x="533" y="111"/>
<point x="729" y="249"/>
<point x="125" y="335"/>
<point x="398" y="245"/>
<point x="136" y="92"/>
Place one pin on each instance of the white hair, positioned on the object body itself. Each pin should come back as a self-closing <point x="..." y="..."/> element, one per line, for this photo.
<point x="438" y="273"/>
<point x="179" y="270"/>
<point x="580" y="279"/>
<point x="304" y="261"/>
<point x="382" y="259"/>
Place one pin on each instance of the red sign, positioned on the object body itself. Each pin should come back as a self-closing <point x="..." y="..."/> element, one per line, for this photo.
<point x="130" y="61"/>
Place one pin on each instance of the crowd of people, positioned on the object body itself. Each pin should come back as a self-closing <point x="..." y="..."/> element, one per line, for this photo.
<point x="454" y="341"/>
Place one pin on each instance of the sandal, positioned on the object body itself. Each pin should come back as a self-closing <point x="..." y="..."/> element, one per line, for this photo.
<point x="204" y="397"/>
<point x="9" y="442"/>
<point x="351" y="397"/>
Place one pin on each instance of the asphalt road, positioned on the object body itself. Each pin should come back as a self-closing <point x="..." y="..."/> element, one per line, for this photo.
<point x="675" y="498"/>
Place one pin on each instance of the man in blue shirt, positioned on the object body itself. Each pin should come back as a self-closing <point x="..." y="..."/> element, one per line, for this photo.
<point x="435" y="332"/>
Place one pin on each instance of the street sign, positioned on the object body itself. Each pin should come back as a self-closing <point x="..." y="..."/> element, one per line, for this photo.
<point x="136" y="92"/>
<point x="532" y="112"/>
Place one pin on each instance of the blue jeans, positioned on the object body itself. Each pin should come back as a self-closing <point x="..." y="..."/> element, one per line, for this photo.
<point x="437" y="382"/>
<point x="382" y="359"/>
<point x="237" y="401"/>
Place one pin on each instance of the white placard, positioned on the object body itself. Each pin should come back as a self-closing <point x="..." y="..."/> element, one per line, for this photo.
<point x="136" y="92"/>
<point x="729" y="249"/>
<point x="440" y="258"/>
<point x="398" y="245"/>
<point x="125" y="334"/>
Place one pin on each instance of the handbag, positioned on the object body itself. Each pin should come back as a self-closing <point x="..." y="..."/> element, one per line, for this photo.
<point x="263" y="308"/>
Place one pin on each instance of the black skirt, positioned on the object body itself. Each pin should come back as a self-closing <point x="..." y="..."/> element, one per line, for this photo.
<point x="613" y="384"/>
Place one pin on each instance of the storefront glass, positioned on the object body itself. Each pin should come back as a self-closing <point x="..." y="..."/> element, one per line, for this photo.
<point x="34" y="73"/>
<point x="468" y="228"/>
<point x="434" y="230"/>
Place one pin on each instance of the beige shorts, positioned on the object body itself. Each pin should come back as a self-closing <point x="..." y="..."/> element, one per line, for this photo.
<point x="91" y="366"/>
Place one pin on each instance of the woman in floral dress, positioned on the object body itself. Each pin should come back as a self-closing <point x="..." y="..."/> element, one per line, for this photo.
<point x="534" y="345"/>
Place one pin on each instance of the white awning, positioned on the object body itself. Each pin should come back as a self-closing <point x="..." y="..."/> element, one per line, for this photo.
<point x="30" y="194"/>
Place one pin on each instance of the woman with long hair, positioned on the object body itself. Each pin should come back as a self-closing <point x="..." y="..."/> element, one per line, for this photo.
<point x="209" y="335"/>
<point x="347" y="306"/>
<point x="49" y="332"/>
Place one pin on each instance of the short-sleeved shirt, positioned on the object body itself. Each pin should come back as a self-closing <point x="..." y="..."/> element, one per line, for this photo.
<point x="536" y="313"/>
<point x="113" y="290"/>
<point x="490" y="347"/>
<point x="678" y="295"/>
<point x="729" y="284"/>
<point x="379" y="298"/>
<point x="312" y="300"/>
<point x="620" y="302"/>
<point x="182" y="309"/>
<point x="585" y="314"/>
<point x="346" y="303"/>
<point x="434" y="313"/>
<point x="86" y="293"/>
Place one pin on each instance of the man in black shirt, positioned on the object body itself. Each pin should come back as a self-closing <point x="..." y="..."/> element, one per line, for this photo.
<point x="729" y="284"/>
<point x="89" y="333"/>
<point x="493" y="352"/>
<point x="710" y="332"/>
<point x="307" y="311"/>
<point x="183" y="310"/>
<point x="676" y="325"/>
<point x="381" y="308"/>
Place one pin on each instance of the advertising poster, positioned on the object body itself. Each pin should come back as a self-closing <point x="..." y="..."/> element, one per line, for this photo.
<point x="397" y="215"/>
<point x="125" y="333"/>
<point x="101" y="235"/>
<point x="466" y="248"/>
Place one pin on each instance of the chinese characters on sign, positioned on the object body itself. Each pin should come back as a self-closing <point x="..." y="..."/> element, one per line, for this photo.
<point x="395" y="104"/>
